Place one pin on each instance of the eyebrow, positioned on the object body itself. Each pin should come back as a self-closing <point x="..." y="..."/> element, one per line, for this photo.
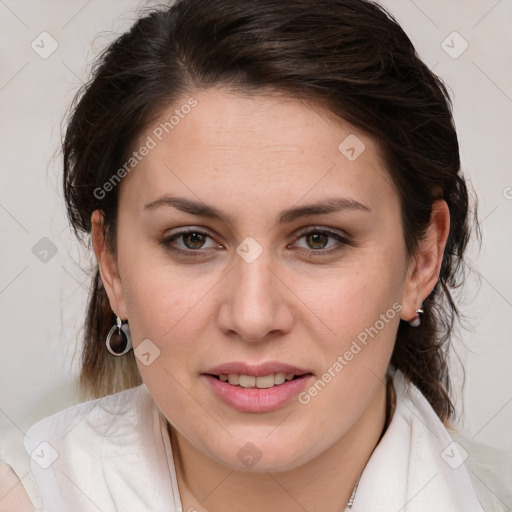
<point x="329" y="205"/>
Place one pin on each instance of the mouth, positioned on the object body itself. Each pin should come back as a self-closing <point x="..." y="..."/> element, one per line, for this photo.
<point x="256" y="388"/>
<point x="260" y="382"/>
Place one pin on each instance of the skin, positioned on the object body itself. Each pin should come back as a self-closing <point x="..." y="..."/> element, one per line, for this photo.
<point x="251" y="157"/>
<point x="13" y="497"/>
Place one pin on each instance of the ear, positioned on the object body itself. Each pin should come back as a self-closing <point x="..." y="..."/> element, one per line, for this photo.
<point x="425" y="265"/>
<point x="108" y="266"/>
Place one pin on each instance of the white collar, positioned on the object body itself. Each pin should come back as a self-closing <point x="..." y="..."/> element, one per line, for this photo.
<point x="416" y="467"/>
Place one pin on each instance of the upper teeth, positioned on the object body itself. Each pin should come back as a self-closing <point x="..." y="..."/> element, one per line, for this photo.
<point x="250" y="381"/>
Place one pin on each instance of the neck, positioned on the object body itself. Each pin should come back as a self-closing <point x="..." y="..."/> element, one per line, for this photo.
<point x="324" y="484"/>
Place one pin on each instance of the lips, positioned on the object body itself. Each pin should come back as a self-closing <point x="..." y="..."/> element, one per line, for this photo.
<point x="256" y="388"/>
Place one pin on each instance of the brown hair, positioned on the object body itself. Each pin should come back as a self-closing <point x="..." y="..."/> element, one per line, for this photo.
<point x="349" y="55"/>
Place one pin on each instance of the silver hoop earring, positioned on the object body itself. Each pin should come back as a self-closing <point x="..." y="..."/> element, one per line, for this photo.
<point x="416" y="321"/>
<point x="119" y="341"/>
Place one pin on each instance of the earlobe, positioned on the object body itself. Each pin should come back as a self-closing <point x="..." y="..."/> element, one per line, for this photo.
<point x="107" y="265"/>
<point x="425" y="266"/>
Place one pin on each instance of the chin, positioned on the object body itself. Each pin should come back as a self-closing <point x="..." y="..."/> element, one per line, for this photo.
<point x="260" y="462"/>
<point x="265" y="453"/>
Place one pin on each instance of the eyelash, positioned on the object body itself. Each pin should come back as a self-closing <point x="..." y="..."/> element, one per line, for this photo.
<point x="342" y="241"/>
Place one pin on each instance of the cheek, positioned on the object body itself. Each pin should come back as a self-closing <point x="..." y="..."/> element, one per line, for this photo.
<point x="160" y="295"/>
<point x="360" y="306"/>
<point x="166" y="310"/>
<point x="352" y="298"/>
<point x="362" y="311"/>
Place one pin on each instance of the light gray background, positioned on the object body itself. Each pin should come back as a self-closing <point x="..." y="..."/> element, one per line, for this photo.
<point x="42" y="304"/>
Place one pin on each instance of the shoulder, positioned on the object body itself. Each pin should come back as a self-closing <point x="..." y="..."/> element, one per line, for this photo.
<point x="101" y="455"/>
<point x="469" y="469"/>
<point x="72" y="442"/>
<point x="66" y="435"/>
<point x="489" y="468"/>
<point x="94" y="418"/>
<point x="16" y="480"/>
<point x="13" y="497"/>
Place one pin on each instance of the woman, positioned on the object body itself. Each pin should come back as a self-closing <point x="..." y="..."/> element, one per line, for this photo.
<point x="273" y="194"/>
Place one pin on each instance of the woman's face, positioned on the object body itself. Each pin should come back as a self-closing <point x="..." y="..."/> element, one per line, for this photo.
<point x="294" y="263"/>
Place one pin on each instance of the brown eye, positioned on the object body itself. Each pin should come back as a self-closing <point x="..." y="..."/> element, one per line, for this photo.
<point x="189" y="242"/>
<point x="317" y="240"/>
<point x="323" y="241"/>
<point x="193" y="240"/>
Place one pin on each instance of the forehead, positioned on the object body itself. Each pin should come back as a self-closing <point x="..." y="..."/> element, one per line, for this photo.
<point x="263" y="148"/>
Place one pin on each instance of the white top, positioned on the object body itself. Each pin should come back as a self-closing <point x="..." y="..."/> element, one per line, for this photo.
<point x="114" y="454"/>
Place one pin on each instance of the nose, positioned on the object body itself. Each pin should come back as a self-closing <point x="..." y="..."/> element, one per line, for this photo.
<point x="255" y="307"/>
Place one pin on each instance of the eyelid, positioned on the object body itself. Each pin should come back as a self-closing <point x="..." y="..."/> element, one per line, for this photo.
<point x="322" y="229"/>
